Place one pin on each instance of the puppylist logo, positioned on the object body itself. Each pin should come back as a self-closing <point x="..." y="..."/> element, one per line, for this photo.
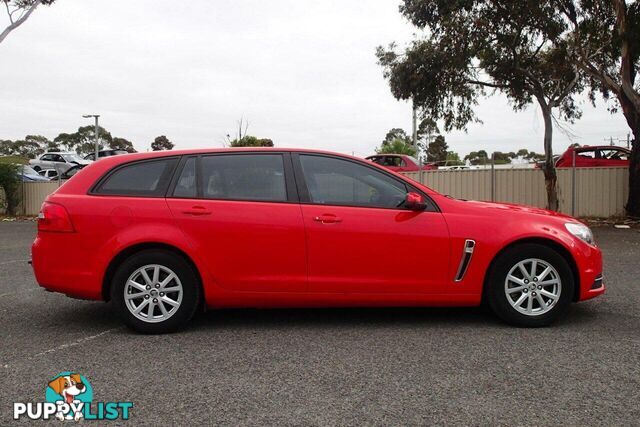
<point x="69" y="396"/>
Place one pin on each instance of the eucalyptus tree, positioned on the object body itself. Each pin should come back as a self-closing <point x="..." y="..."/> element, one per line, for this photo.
<point x="472" y="47"/>
<point x="603" y="39"/>
<point x="17" y="12"/>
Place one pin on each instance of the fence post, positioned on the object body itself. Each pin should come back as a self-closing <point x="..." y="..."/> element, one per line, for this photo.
<point x="573" y="183"/>
<point x="493" y="177"/>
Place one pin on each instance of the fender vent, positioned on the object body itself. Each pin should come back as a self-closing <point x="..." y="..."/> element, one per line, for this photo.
<point x="469" y="246"/>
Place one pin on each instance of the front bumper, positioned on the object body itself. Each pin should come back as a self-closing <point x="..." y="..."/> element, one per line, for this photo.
<point x="589" y="263"/>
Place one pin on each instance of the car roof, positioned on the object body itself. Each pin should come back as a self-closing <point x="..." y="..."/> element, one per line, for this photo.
<point x="97" y="169"/>
<point x="600" y="147"/>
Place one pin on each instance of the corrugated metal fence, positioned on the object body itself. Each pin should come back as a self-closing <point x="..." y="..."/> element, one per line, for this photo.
<point x="599" y="192"/>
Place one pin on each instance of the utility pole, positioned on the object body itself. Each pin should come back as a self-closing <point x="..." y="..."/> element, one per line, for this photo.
<point x="86" y="116"/>
<point x="414" y="134"/>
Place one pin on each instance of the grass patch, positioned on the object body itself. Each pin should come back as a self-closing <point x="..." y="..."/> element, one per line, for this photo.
<point x="14" y="160"/>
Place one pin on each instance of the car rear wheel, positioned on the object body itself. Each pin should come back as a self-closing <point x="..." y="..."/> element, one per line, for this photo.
<point x="155" y="291"/>
<point x="530" y="285"/>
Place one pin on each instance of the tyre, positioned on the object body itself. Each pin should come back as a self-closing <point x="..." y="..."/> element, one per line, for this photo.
<point x="530" y="285"/>
<point x="155" y="291"/>
<point x="37" y="168"/>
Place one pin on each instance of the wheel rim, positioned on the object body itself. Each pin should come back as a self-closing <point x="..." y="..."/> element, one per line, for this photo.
<point x="153" y="293"/>
<point x="533" y="287"/>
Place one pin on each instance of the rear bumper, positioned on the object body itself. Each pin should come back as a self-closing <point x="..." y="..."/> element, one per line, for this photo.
<point x="60" y="264"/>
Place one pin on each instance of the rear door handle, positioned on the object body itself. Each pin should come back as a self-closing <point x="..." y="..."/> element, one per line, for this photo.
<point x="197" y="211"/>
<point x="327" y="219"/>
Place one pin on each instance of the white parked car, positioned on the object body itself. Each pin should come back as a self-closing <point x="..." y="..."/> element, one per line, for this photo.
<point x="61" y="162"/>
<point x="49" y="173"/>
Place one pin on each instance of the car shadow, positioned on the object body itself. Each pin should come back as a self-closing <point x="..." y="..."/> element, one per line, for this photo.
<point x="323" y="317"/>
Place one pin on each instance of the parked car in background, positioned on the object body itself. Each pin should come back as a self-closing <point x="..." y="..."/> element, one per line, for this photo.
<point x="400" y="162"/>
<point x="28" y="174"/>
<point x="58" y="161"/>
<point x="104" y="153"/>
<point x="158" y="234"/>
<point x="49" y="173"/>
<point x="71" y="171"/>
<point x="595" y="156"/>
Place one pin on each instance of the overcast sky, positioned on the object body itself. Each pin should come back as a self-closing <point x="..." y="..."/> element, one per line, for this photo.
<point x="303" y="73"/>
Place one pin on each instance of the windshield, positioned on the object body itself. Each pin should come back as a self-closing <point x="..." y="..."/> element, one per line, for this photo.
<point x="28" y="170"/>
<point x="71" y="158"/>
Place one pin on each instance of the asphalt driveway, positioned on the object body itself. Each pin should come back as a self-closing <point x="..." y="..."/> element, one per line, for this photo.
<point x="327" y="367"/>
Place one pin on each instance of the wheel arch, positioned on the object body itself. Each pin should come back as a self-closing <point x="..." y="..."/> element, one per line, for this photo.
<point x="125" y="253"/>
<point x="552" y="244"/>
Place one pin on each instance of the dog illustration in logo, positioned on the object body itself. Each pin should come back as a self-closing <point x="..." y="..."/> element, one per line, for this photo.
<point x="68" y="386"/>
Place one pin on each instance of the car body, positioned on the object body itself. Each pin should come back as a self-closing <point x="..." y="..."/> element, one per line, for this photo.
<point x="27" y="174"/>
<point x="595" y="156"/>
<point x="49" y="173"/>
<point x="60" y="161"/>
<point x="296" y="228"/>
<point x="105" y="153"/>
<point x="400" y="162"/>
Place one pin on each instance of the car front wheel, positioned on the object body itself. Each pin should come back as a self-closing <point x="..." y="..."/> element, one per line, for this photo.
<point x="530" y="285"/>
<point x="155" y="291"/>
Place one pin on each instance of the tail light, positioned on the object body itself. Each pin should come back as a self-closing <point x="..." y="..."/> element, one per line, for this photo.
<point x="54" y="217"/>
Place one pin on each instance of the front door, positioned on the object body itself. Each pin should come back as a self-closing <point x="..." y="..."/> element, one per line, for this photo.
<point x="243" y="219"/>
<point x="360" y="239"/>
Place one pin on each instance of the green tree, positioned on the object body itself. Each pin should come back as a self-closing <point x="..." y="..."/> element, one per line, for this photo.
<point x="477" y="157"/>
<point x="396" y="146"/>
<point x="83" y="140"/>
<point x="251" y="141"/>
<point x="501" y="158"/>
<point x="479" y="45"/>
<point x="437" y="150"/>
<point x="161" y="143"/>
<point x="453" y="159"/>
<point x="603" y="39"/>
<point x="122" y="144"/>
<point x="394" y="134"/>
<point x="18" y="11"/>
<point x="9" y="182"/>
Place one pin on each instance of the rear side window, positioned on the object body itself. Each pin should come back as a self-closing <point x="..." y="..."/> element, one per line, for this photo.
<point x="257" y="177"/>
<point x="147" y="178"/>
<point x="186" y="185"/>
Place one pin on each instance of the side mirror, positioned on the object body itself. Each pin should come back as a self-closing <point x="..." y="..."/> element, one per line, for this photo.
<point x="415" y="202"/>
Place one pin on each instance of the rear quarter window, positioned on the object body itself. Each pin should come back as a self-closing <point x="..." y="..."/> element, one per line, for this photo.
<point x="148" y="178"/>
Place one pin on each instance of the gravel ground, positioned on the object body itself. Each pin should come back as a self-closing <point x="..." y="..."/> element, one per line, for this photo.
<point x="327" y="367"/>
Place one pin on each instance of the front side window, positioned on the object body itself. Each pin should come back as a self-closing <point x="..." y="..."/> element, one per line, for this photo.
<point x="256" y="177"/>
<point x="334" y="181"/>
<point x="147" y="178"/>
<point x="614" y="155"/>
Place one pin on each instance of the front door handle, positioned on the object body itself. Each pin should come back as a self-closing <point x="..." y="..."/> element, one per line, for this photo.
<point x="327" y="219"/>
<point x="197" y="211"/>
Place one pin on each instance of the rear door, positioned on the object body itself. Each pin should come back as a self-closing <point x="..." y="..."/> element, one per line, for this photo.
<point x="241" y="213"/>
<point x="359" y="237"/>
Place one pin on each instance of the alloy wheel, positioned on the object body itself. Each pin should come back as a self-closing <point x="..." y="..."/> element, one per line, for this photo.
<point x="533" y="287"/>
<point x="153" y="293"/>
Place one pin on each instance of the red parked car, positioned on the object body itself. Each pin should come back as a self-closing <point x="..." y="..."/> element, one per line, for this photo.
<point x="594" y="156"/>
<point x="165" y="234"/>
<point x="400" y="162"/>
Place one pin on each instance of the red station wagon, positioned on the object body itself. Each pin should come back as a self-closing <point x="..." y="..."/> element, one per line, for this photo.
<point x="165" y="234"/>
<point x="595" y="156"/>
<point x="400" y="162"/>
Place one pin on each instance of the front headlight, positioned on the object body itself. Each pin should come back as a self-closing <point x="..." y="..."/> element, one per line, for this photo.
<point x="581" y="231"/>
